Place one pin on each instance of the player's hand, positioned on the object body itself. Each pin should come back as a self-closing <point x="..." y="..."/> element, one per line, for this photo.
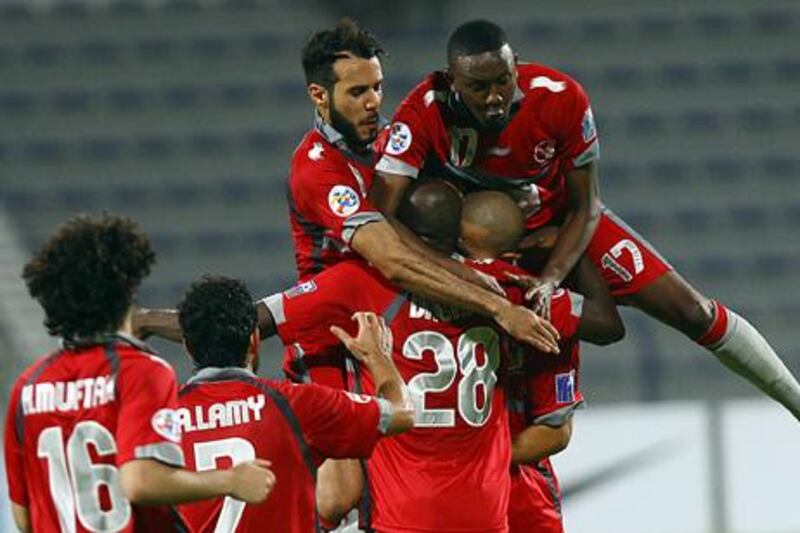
<point x="372" y="343"/>
<point x="252" y="481"/>
<point x="541" y="295"/>
<point x="524" y="325"/>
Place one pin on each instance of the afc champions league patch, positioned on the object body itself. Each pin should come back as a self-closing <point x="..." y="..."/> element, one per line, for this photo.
<point x="565" y="387"/>
<point x="165" y="422"/>
<point x="588" y="129"/>
<point x="399" y="139"/>
<point x="343" y="200"/>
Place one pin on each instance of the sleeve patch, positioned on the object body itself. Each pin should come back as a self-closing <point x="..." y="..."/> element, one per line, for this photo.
<point x="588" y="129"/>
<point x="399" y="139"/>
<point x="343" y="200"/>
<point x="565" y="387"/>
<point x="165" y="422"/>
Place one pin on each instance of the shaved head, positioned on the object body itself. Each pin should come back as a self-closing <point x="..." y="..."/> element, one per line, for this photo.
<point x="432" y="210"/>
<point x="491" y="224"/>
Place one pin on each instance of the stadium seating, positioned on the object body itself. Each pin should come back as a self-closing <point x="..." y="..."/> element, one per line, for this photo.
<point x="184" y="114"/>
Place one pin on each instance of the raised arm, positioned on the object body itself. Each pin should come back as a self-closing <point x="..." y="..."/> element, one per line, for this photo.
<point x="163" y="323"/>
<point x="372" y="346"/>
<point x="380" y="244"/>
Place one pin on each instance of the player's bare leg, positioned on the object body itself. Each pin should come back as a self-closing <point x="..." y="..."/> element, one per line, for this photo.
<point x="731" y="338"/>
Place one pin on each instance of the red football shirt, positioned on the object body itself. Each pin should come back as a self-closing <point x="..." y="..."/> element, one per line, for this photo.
<point x="449" y="473"/>
<point x="74" y="418"/>
<point x="542" y="390"/>
<point x="550" y="132"/>
<point x="230" y="416"/>
<point x="328" y="186"/>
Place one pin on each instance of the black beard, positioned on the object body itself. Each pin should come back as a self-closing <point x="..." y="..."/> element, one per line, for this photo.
<point x="348" y="131"/>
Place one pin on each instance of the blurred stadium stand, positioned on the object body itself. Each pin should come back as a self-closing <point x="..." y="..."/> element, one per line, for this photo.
<point x="184" y="115"/>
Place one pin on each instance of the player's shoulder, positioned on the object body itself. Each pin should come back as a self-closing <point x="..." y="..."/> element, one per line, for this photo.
<point x="133" y="353"/>
<point x="434" y="88"/>
<point x="544" y="81"/>
<point x="314" y="155"/>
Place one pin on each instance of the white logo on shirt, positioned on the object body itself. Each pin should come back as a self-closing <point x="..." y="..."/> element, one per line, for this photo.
<point x="358" y="398"/>
<point x="399" y="139"/>
<point x="544" y="151"/>
<point x="165" y="422"/>
<point x="551" y="85"/>
<point x="343" y="200"/>
<point x="499" y="151"/>
<point x="315" y="153"/>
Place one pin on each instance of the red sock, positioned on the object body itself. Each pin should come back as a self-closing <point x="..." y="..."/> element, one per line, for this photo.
<point x="718" y="327"/>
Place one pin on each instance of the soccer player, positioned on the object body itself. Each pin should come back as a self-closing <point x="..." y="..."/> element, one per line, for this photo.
<point x="229" y="414"/>
<point x="331" y="173"/>
<point x="451" y="472"/>
<point x="91" y="432"/>
<point x="543" y="391"/>
<point x="495" y="123"/>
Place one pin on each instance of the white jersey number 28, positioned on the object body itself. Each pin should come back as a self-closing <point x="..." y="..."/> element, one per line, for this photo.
<point x="450" y="361"/>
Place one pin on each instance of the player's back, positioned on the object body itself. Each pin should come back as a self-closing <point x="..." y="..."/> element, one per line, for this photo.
<point x="450" y="472"/>
<point x="229" y="416"/>
<point x="74" y="418"/>
<point x="233" y="418"/>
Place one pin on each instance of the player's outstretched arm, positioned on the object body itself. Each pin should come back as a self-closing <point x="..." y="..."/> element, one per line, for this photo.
<point x="539" y="441"/>
<point x="162" y="323"/>
<point x="372" y="346"/>
<point x="149" y="482"/>
<point x="379" y="243"/>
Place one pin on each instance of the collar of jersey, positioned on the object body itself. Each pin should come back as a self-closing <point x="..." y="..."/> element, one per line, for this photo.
<point x="103" y="338"/>
<point x="334" y="137"/>
<point x="216" y="373"/>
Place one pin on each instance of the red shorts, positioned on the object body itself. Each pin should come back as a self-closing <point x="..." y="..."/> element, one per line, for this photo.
<point x="535" y="501"/>
<point x="627" y="262"/>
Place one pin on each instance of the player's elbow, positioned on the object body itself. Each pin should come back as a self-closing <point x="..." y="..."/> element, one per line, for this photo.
<point x="137" y="482"/>
<point x="612" y="331"/>
<point x="562" y="438"/>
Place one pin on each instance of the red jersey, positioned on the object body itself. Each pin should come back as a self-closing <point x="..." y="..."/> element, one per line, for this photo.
<point x="543" y="391"/>
<point x="449" y="473"/>
<point x="74" y="418"/>
<point x="229" y="416"/>
<point x="328" y="186"/>
<point x="551" y="130"/>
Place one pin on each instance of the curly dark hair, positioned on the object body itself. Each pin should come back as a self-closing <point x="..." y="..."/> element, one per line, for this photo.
<point x="217" y="316"/>
<point x="86" y="275"/>
<point x="326" y="46"/>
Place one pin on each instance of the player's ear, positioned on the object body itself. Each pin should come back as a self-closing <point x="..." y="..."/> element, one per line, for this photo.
<point x="318" y="95"/>
<point x="253" y="358"/>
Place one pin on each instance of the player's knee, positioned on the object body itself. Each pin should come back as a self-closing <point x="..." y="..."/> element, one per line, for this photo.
<point x="697" y="316"/>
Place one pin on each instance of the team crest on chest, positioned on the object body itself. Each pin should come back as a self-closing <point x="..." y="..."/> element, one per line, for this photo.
<point x="343" y="200"/>
<point x="544" y="151"/>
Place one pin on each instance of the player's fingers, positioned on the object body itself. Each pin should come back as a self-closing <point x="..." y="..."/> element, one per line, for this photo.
<point x="263" y="462"/>
<point x="372" y="320"/>
<point x="342" y="335"/>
